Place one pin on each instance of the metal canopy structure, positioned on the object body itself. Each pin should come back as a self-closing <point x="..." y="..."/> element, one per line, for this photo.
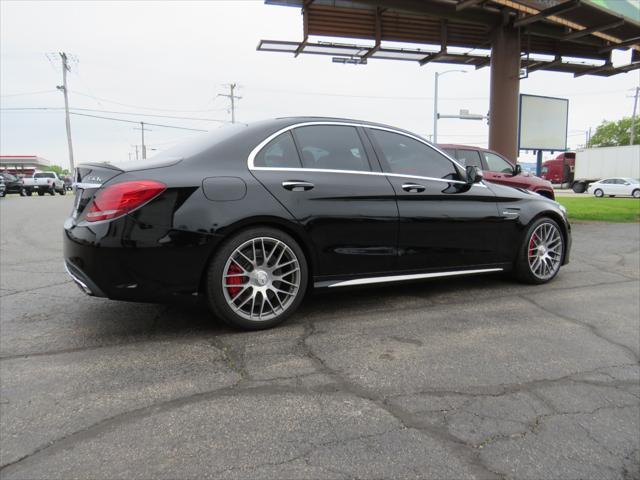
<point x="570" y="36"/>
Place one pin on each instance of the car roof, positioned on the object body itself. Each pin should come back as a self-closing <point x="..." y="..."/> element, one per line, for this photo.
<point x="464" y="147"/>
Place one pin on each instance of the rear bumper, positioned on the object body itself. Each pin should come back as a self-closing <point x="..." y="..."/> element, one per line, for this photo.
<point x="126" y="260"/>
<point x="82" y="280"/>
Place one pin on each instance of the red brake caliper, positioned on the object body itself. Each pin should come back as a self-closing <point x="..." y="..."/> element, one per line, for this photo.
<point x="532" y="244"/>
<point x="234" y="270"/>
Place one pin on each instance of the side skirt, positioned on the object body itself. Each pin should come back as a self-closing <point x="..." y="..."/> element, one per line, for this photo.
<point x="400" y="278"/>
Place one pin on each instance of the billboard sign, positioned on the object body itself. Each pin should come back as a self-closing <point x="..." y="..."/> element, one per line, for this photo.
<point x="543" y="123"/>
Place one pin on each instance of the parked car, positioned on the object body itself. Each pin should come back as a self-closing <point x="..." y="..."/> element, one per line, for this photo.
<point x="3" y="188"/>
<point x="44" y="182"/>
<point x="616" y="187"/>
<point x="250" y="217"/>
<point x="498" y="169"/>
<point x="68" y="182"/>
<point x="13" y="184"/>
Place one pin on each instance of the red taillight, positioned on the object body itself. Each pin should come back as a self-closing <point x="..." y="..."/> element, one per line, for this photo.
<point x="121" y="198"/>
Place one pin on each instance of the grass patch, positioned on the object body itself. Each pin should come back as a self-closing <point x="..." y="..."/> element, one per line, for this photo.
<point x="602" y="209"/>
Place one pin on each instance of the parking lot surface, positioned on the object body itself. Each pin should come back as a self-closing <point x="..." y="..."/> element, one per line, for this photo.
<point x="466" y="378"/>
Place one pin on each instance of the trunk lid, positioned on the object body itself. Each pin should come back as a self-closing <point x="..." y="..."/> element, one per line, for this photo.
<point x="89" y="177"/>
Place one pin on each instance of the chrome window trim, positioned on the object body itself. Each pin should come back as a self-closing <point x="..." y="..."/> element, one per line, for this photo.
<point x="400" y="278"/>
<point x="261" y="145"/>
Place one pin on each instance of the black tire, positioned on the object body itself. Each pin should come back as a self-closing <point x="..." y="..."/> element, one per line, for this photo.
<point x="62" y="192"/>
<point x="598" y="193"/>
<point x="522" y="269"/>
<point x="40" y="194"/>
<point x="52" y="192"/>
<point x="23" y="193"/>
<point x="636" y="193"/>
<point x="579" y="187"/>
<point x="29" y="193"/>
<point x="3" y="194"/>
<point x="214" y="289"/>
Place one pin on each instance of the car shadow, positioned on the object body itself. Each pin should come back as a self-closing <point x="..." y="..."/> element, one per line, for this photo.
<point x="193" y="318"/>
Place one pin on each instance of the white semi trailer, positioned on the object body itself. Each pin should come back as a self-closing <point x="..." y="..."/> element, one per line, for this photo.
<point x="593" y="164"/>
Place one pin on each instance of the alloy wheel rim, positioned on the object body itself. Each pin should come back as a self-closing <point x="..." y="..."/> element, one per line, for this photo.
<point x="544" y="251"/>
<point x="261" y="279"/>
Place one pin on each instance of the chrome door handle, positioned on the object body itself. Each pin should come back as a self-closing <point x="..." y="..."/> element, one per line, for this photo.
<point x="413" y="187"/>
<point x="297" y="186"/>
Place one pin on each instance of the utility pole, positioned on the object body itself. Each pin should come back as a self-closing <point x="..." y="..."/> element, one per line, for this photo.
<point x="232" y="97"/>
<point x="144" y="148"/>
<point x="633" y="117"/>
<point x="63" y="87"/>
<point x="436" y="116"/>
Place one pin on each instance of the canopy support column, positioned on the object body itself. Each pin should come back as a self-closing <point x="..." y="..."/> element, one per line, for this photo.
<point x="505" y="88"/>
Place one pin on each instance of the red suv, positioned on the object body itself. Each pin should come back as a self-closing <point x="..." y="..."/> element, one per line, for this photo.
<point x="498" y="169"/>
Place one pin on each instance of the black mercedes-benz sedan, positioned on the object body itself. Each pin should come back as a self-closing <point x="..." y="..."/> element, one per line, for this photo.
<point x="252" y="216"/>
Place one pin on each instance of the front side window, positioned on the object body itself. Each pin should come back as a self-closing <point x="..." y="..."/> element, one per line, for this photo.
<point x="331" y="147"/>
<point x="407" y="156"/>
<point x="278" y="153"/>
<point x="496" y="163"/>
<point x="469" y="158"/>
<point x="44" y="175"/>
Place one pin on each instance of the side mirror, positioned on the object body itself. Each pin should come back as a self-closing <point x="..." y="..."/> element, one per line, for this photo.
<point x="474" y="174"/>
<point x="517" y="170"/>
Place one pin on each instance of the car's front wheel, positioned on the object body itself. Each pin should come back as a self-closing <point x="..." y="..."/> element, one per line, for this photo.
<point x="541" y="252"/>
<point x="636" y="193"/>
<point x="598" y="193"/>
<point x="257" y="279"/>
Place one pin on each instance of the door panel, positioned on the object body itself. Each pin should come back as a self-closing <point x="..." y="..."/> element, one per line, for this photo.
<point x="322" y="175"/>
<point x="352" y="219"/>
<point x="444" y="223"/>
<point x="447" y="225"/>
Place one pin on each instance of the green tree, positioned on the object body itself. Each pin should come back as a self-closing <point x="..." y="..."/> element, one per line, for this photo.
<point x="59" y="170"/>
<point x="613" y="134"/>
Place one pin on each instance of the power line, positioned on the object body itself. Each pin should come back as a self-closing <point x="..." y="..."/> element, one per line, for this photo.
<point x="117" y="112"/>
<point x="142" y="107"/>
<point x="133" y="121"/>
<point x="26" y="93"/>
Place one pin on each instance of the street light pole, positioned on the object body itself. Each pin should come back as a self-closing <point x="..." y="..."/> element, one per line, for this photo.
<point x="435" y="103"/>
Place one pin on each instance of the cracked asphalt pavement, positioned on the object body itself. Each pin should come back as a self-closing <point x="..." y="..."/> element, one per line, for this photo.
<point x="454" y="379"/>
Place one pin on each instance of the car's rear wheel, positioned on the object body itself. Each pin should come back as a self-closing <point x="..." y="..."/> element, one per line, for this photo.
<point x="62" y="191"/>
<point x="257" y="279"/>
<point x="40" y="194"/>
<point x="541" y="252"/>
<point x="599" y="193"/>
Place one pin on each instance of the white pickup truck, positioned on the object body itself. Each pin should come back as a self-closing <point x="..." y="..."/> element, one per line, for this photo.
<point x="44" y="182"/>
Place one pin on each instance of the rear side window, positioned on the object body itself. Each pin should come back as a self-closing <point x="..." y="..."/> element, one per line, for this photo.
<point x="407" y="156"/>
<point x="469" y="158"/>
<point x="278" y="153"/>
<point x="331" y="147"/>
<point x="44" y="175"/>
